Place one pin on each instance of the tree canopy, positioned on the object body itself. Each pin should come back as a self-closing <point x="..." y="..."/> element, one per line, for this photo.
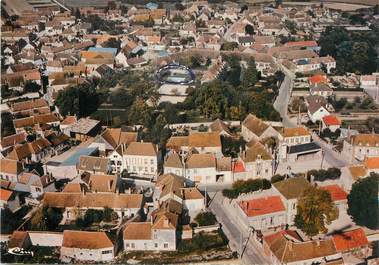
<point x="81" y="100"/>
<point x="353" y="51"/>
<point x="363" y="201"/>
<point x="315" y="210"/>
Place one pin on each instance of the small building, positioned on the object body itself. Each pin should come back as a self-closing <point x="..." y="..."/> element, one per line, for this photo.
<point x="286" y="247"/>
<point x="290" y="190"/>
<point x="317" y="108"/>
<point x="83" y="129"/>
<point x="321" y="89"/>
<point x="304" y="152"/>
<point x="258" y="161"/>
<point x="201" y="142"/>
<point x="263" y="213"/>
<point x="141" y="159"/>
<point x="93" y="165"/>
<point x="9" y="199"/>
<point x="85" y="246"/>
<point x="10" y="169"/>
<point x="361" y="146"/>
<point x="352" y="241"/>
<point x="254" y="128"/>
<point x="77" y="203"/>
<point x="372" y="164"/>
<point x="338" y="195"/>
<point x="331" y="122"/>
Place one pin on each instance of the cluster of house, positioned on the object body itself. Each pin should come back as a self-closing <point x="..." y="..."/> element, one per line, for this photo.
<point x="153" y="225"/>
<point x="67" y="49"/>
<point x="271" y="214"/>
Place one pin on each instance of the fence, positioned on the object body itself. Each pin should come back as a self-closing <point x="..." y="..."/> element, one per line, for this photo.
<point x="206" y="229"/>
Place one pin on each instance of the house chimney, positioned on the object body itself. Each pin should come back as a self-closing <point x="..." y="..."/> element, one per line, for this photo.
<point x="166" y="222"/>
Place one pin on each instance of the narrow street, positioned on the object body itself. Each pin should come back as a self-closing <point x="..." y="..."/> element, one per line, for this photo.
<point x="235" y="232"/>
<point x="282" y="101"/>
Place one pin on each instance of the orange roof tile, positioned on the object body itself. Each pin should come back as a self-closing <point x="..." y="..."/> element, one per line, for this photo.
<point x="86" y="240"/>
<point x="262" y="206"/>
<point x="238" y="167"/>
<point x="138" y="231"/>
<point x="293" y="132"/>
<point x="350" y="240"/>
<point x="317" y="79"/>
<point x="336" y="192"/>
<point x="331" y="120"/>
<point x="5" y="194"/>
<point x="372" y="162"/>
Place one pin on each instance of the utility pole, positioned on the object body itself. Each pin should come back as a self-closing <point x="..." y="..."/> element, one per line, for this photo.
<point x="322" y="158"/>
<point x="205" y="194"/>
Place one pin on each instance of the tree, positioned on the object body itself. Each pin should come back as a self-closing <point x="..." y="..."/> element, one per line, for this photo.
<point x="7" y="127"/>
<point x="46" y="218"/>
<point x="31" y="87"/>
<point x="81" y="100"/>
<point x="250" y="185"/>
<point x="322" y="174"/>
<point x="315" y="210"/>
<point x="108" y="214"/>
<point x="139" y="112"/>
<point x="277" y="178"/>
<point x="249" y="29"/>
<point x="205" y="218"/>
<point x="363" y="201"/>
<point x="179" y="6"/>
<point x="112" y="43"/>
<point x="250" y="75"/>
<point x="229" y="46"/>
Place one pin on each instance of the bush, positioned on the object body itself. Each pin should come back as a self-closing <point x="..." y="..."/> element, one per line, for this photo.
<point x="203" y="242"/>
<point x="230" y="193"/>
<point x="108" y="214"/>
<point x="322" y="174"/>
<point x="241" y="186"/>
<point x="91" y="216"/>
<point x="206" y="218"/>
<point x="277" y="178"/>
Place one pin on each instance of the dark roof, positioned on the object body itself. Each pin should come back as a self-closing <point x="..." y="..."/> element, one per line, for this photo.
<point x="104" y="70"/>
<point x="292" y="188"/>
<point x="304" y="148"/>
<point x="246" y="39"/>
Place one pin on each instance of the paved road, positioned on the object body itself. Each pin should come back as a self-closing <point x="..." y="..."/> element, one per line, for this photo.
<point x="331" y="156"/>
<point x="252" y="254"/>
<point x="282" y="100"/>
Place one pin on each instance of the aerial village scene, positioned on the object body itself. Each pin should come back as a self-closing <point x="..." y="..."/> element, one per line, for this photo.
<point x="189" y="132"/>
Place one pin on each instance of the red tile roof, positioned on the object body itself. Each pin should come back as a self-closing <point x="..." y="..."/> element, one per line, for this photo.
<point x="262" y="206"/>
<point x="238" y="167"/>
<point x="336" y="192"/>
<point x="372" y="162"/>
<point x="350" y="240"/>
<point x="317" y="79"/>
<point x="5" y="194"/>
<point x="331" y="120"/>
